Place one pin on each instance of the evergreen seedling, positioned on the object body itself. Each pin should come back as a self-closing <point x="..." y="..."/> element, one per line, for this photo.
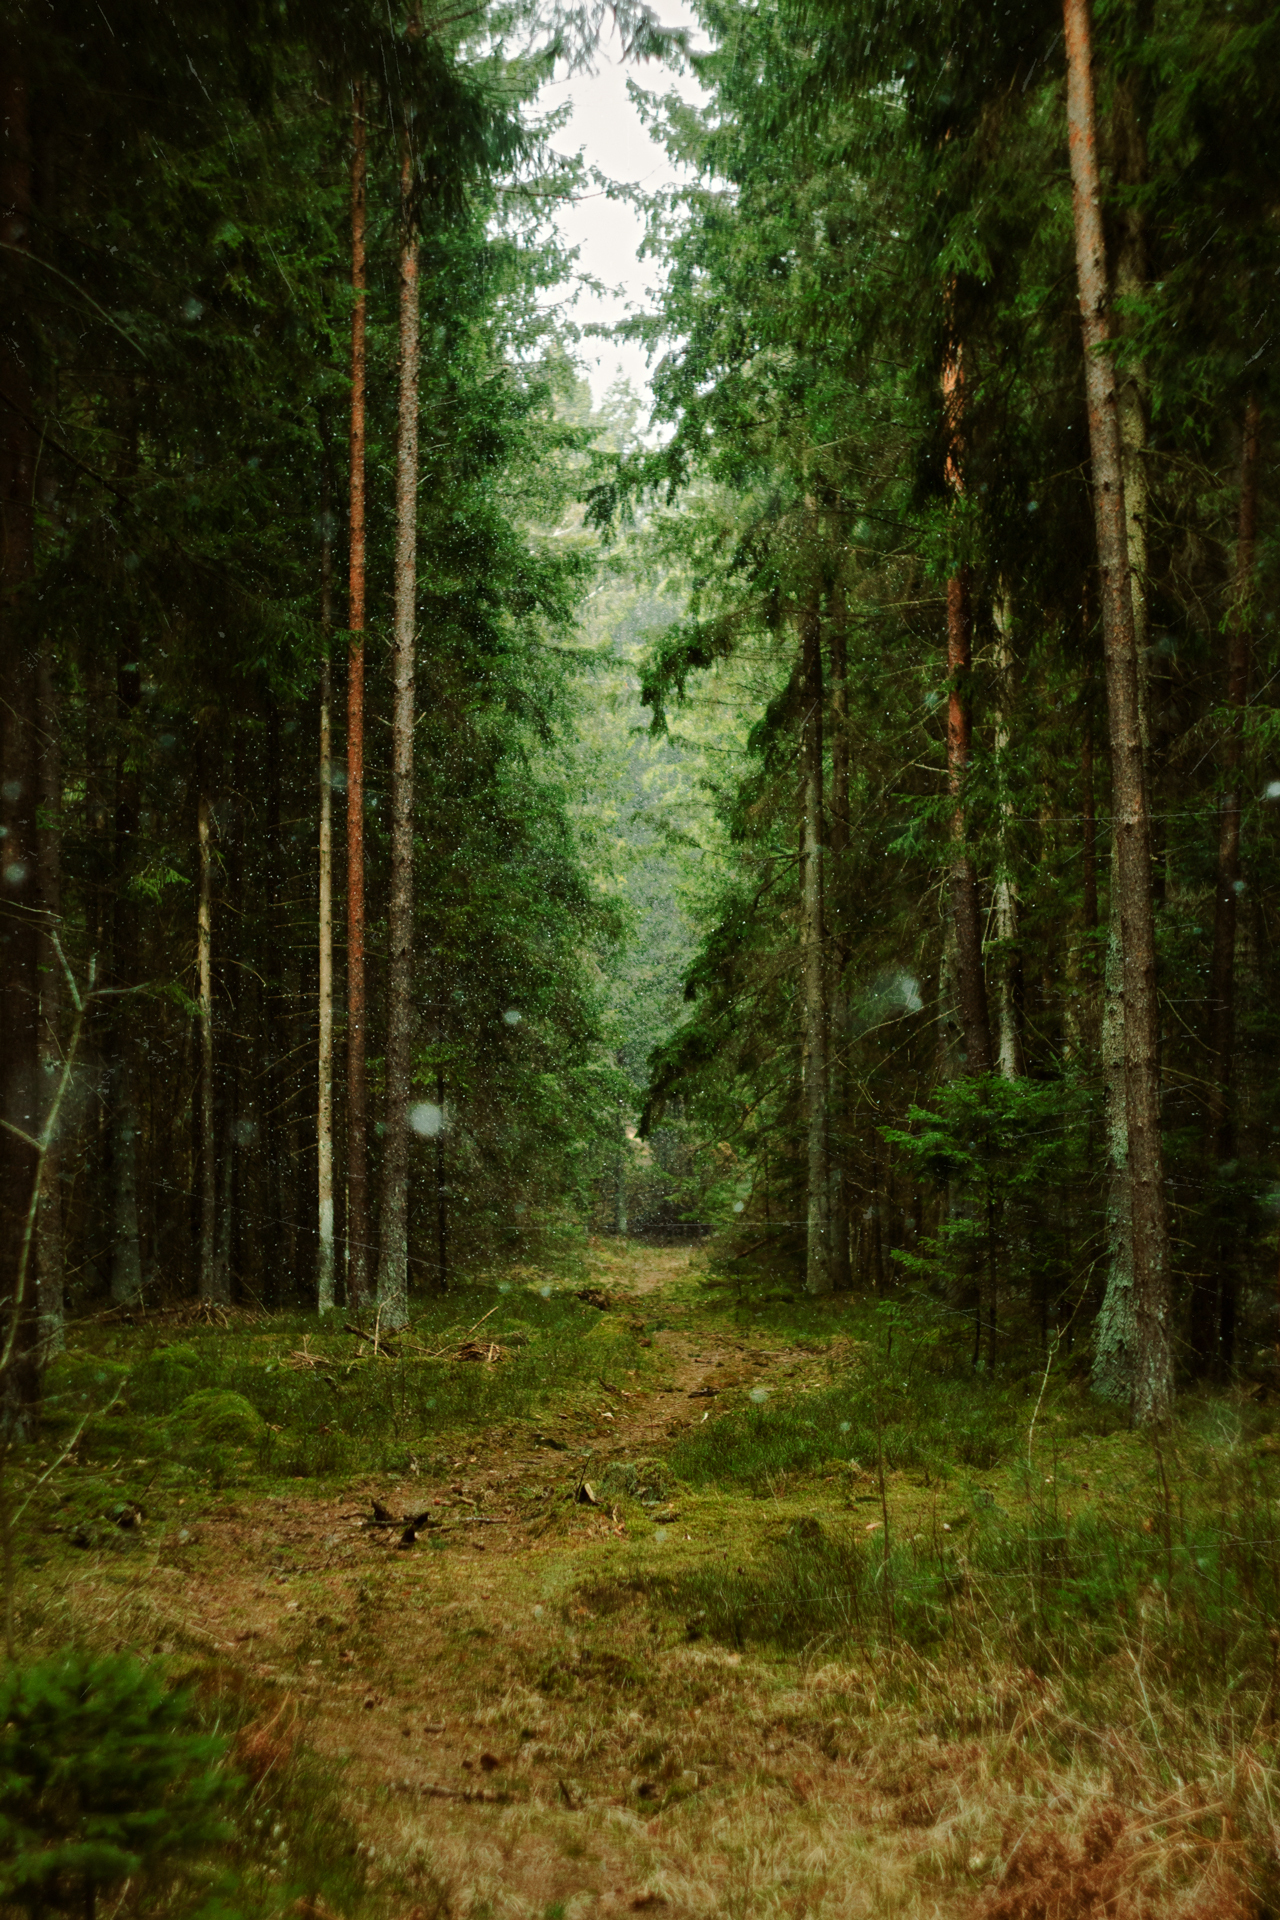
<point x="103" y="1778"/>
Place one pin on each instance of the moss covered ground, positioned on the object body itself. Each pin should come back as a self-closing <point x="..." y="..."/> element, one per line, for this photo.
<point x="633" y="1589"/>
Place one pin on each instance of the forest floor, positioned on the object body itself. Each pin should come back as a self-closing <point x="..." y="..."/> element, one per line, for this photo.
<point x="569" y="1696"/>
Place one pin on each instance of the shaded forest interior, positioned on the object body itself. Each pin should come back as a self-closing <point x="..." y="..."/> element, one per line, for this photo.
<point x="442" y="820"/>
<point x="639" y="1186"/>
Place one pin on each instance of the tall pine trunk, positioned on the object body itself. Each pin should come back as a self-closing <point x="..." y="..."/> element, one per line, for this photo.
<point x="818" y="1275"/>
<point x="393" y="1252"/>
<point x="357" y="1093"/>
<point x="324" y="1103"/>
<point x="1116" y="1338"/>
<point x="840" y="1133"/>
<point x="1152" y="1383"/>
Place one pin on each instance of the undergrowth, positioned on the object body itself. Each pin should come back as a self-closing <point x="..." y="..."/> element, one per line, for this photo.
<point x="280" y="1398"/>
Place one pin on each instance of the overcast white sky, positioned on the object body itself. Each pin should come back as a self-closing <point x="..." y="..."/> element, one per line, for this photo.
<point x="607" y="129"/>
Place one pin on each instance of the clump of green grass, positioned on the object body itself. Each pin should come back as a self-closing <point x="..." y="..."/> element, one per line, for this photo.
<point x="313" y="1402"/>
<point x="1185" y="1581"/>
<point x="925" y="1424"/>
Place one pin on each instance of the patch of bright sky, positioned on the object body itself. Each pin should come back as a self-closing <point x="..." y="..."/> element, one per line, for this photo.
<point x="607" y="129"/>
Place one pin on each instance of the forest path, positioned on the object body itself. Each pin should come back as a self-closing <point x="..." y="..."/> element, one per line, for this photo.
<point x="522" y="1715"/>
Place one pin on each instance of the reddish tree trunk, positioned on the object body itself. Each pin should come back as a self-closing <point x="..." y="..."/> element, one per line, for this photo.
<point x="1152" y="1385"/>
<point x="393" y="1251"/>
<point x="357" y="1098"/>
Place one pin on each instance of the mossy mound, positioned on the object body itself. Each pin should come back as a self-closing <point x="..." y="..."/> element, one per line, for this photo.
<point x="216" y="1418"/>
<point x="74" y="1382"/>
<point x="166" y="1378"/>
<point x="640" y="1479"/>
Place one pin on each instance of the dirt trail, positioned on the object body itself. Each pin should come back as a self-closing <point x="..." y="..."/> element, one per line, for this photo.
<point x="523" y="1732"/>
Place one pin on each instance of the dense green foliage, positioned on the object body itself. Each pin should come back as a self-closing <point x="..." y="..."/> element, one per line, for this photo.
<point x="872" y="382"/>
<point x="103" y="1778"/>
<point x="184" y="312"/>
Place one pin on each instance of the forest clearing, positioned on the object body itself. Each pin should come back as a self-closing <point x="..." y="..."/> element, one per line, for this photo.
<point x="639" y="897"/>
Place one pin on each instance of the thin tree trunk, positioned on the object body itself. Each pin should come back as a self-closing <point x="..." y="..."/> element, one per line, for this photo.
<point x="20" y="1373"/>
<point x="357" y="1092"/>
<point x="840" y="1136"/>
<point x="49" y="1242"/>
<point x="818" y="1275"/>
<point x="1083" y="1022"/>
<point x="1115" y="1344"/>
<point x="1152" y="1386"/>
<point x="393" y="1253"/>
<point x="208" y="1277"/>
<point x="1009" y="1049"/>
<point x="1115" y="1335"/>
<point x="324" y="1105"/>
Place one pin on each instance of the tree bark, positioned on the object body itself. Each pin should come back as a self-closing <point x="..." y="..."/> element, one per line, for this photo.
<point x="818" y="1274"/>
<point x="1152" y="1385"/>
<point x="324" y="1104"/>
<point x="1115" y="1344"/>
<point x="20" y="918"/>
<point x="50" y="1258"/>
<point x="393" y="1252"/>
<point x="357" y="1091"/>
<point x="1089" y="818"/>
<point x="840" y="1135"/>
<point x="1009" y="1055"/>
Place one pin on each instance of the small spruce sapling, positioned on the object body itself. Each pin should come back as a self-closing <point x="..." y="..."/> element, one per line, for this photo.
<point x="103" y="1778"/>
